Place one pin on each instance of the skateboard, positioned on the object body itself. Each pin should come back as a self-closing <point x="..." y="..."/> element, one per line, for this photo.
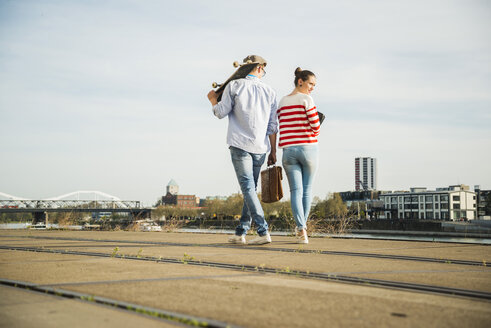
<point x="240" y="73"/>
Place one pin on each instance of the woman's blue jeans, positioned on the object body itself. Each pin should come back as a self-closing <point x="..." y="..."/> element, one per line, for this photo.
<point x="247" y="168"/>
<point x="300" y="164"/>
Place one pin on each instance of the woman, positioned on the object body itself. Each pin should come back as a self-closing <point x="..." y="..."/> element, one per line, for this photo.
<point x="299" y="128"/>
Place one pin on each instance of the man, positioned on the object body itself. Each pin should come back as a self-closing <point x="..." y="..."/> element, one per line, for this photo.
<point x="251" y="109"/>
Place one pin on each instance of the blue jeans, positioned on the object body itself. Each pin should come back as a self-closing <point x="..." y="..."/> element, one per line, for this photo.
<point x="300" y="164"/>
<point x="247" y="168"/>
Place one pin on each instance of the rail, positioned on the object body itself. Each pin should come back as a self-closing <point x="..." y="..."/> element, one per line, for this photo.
<point x="441" y="290"/>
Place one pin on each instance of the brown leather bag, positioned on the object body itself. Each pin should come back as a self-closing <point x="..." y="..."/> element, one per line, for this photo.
<point x="271" y="188"/>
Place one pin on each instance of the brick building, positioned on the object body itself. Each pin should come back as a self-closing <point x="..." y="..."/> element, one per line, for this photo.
<point x="172" y="197"/>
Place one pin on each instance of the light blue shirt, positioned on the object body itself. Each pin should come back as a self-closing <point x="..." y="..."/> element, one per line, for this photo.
<point x="251" y="109"/>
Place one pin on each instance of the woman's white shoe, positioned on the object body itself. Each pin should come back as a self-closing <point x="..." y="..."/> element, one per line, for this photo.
<point x="303" y="239"/>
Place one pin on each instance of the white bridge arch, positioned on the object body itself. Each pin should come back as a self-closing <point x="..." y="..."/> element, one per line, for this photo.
<point x="103" y="195"/>
<point x="10" y="197"/>
<point x="98" y="195"/>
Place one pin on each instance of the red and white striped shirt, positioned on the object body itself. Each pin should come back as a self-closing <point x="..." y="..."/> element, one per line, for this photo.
<point x="298" y="120"/>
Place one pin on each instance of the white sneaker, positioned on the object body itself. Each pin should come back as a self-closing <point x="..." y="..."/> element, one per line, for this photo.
<point x="237" y="239"/>
<point x="266" y="239"/>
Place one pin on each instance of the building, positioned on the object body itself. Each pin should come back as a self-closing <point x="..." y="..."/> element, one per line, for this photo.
<point x="172" y="197"/>
<point x="365" y="173"/>
<point x="367" y="201"/>
<point x="187" y="201"/>
<point x="454" y="203"/>
<point x="358" y="196"/>
<point x="483" y="203"/>
<point x="168" y="199"/>
<point x="171" y="191"/>
<point x="172" y="188"/>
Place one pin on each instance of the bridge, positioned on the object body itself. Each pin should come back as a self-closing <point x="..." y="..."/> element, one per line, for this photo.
<point x="77" y="201"/>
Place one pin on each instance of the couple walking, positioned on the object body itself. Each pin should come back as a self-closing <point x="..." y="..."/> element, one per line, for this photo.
<point x="253" y="113"/>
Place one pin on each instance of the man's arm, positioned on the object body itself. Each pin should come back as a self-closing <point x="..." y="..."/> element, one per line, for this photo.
<point x="224" y="107"/>
<point x="272" y="154"/>
<point x="272" y="130"/>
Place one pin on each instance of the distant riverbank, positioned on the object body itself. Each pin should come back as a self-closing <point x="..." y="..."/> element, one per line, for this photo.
<point x="458" y="232"/>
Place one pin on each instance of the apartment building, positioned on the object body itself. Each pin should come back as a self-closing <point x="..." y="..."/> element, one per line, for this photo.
<point x="365" y="173"/>
<point x="483" y="203"/>
<point x="455" y="203"/>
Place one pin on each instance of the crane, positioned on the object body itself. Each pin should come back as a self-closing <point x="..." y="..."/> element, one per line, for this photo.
<point x="365" y="188"/>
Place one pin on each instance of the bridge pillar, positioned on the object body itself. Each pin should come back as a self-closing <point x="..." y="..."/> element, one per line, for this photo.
<point x="40" y="217"/>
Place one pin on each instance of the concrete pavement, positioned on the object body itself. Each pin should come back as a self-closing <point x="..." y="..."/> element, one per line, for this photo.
<point x="241" y="298"/>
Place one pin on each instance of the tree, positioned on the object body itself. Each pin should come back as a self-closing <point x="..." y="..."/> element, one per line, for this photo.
<point x="233" y="205"/>
<point x="281" y="209"/>
<point x="230" y="207"/>
<point x="358" y="208"/>
<point x="332" y="207"/>
<point x="172" y="212"/>
<point x="15" y="217"/>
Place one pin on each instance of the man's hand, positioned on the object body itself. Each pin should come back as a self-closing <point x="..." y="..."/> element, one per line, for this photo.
<point x="213" y="97"/>
<point x="272" y="158"/>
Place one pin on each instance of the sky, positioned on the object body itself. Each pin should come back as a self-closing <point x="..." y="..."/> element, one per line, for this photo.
<point x="111" y="95"/>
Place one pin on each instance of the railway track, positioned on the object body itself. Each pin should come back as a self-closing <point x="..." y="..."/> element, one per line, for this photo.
<point x="440" y="290"/>
<point x="179" y="319"/>
<point x="276" y="249"/>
